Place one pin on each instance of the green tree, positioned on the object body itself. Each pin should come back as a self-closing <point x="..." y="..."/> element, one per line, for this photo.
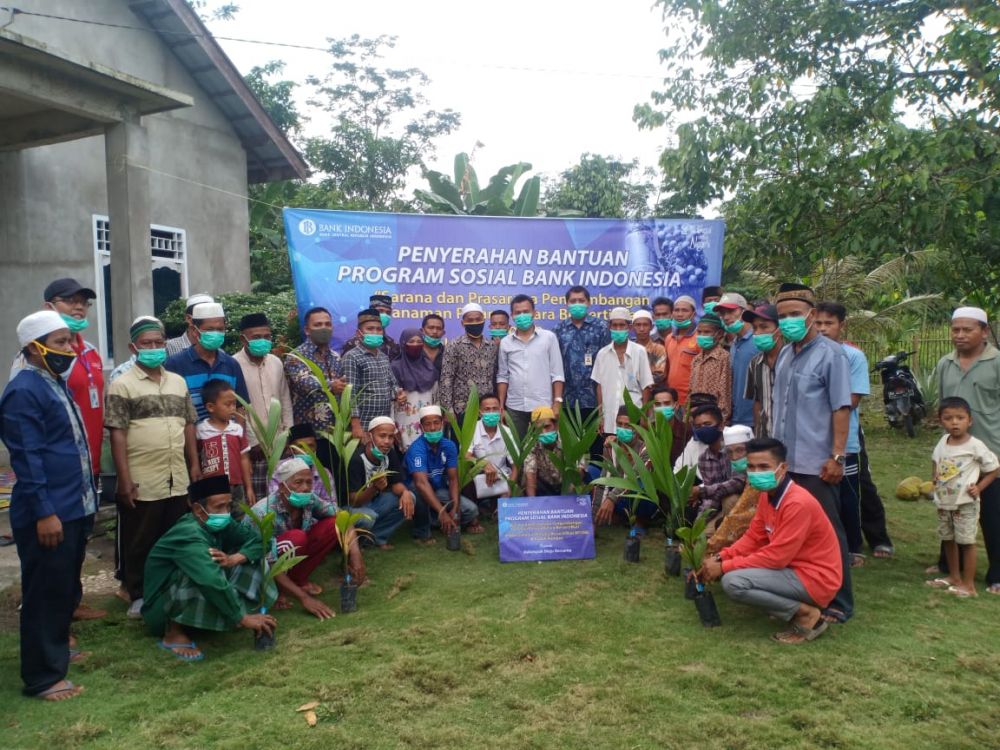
<point x="861" y="128"/>
<point x="464" y="196"/>
<point x="276" y="96"/>
<point x="602" y="186"/>
<point x="382" y="127"/>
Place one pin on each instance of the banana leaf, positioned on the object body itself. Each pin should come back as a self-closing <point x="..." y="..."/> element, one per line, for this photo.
<point x="518" y="447"/>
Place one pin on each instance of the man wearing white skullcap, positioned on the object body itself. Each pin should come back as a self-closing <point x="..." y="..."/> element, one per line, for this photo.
<point x="621" y="365"/>
<point x="471" y="359"/>
<point x="972" y="372"/>
<point x="53" y="501"/>
<point x="375" y="483"/>
<point x="642" y="326"/>
<point x="432" y="463"/>
<point x="205" y="359"/>
<point x="190" y="336"/>
<point x="682" y="347"/>
<point x="306" y="523"/>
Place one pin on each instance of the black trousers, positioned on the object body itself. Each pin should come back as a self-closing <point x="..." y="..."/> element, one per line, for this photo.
<point x="521" y="420"/>
<point x="989" y="522"/>
<point x="49" y="581"/>
<point x="829" y="497"/>
<point x="872" y="509"/>
<point x="88" y="527"/>
<point x="138" y="530"/>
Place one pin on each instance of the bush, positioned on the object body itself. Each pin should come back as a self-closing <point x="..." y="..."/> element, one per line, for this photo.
<point x="279" y="308"/>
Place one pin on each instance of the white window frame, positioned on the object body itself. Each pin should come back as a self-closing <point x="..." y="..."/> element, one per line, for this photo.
<point x="102" y="258"/>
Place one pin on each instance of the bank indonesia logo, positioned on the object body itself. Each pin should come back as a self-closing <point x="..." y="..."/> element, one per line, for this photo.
<point x="307" y="227"/>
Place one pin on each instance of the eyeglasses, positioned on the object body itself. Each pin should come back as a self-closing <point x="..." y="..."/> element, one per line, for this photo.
<point x="77" y="301"/>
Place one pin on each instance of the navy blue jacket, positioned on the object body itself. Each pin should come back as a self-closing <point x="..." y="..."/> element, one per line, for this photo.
<point x="38" y="434"/>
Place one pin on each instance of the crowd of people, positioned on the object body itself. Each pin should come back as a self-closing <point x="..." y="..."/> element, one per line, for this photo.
<point x="762" y="400"/>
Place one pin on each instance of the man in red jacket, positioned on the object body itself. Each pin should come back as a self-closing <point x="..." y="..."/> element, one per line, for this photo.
<point x="788" y="562"/>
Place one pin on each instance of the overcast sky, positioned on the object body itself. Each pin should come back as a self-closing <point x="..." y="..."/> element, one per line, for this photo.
<point x="535" y="80"/>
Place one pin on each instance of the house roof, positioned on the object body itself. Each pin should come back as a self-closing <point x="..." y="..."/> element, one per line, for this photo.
<point x="270" y="155"/>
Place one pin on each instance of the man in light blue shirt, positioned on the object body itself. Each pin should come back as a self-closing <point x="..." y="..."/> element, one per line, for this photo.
<point x="741" y="350"/>
<point x="812" y="405"/>
<point x="529" y="366"/>
<point x="830" y="317"/>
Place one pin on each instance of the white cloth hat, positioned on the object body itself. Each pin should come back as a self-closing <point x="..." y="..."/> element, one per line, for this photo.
<point x="430" y="411"/>
<point x="620" y="313"/>
<point x="38" y="325"/>
<point x="736" y="435"/>
<point x="289" y="468"/>
<point x="642" y="315"/>
<point x="471" y="308"/>
<point x="733" y="300"/>
<point x="686" y="298"/>
<point x="379" y="421"/>
<point x="197" y="299"/>
<point x="206" y="310"/>
<point x="972" y="313"/>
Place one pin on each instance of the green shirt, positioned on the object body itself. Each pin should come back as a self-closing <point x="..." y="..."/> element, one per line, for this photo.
<point x="185" y="548"/>
<point x="980" y="386"/>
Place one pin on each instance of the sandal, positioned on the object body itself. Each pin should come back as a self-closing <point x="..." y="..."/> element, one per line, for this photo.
<point x="76" y="656"/>
<point x="857" y="560"/>
<point x="883" y="551"/>
<point x="69" y="690"/>
<point x="832" y="615"/>
<point x="993" y="588"/>
<point x="800" y="634"/>
<point x="939" y="583"/>
<point x="474" y="528"/>
<point x="961" y="593"/>
<point x="172" y="648"/>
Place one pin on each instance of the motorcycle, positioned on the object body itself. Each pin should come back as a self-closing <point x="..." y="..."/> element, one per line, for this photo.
<point x="904" y="404"/>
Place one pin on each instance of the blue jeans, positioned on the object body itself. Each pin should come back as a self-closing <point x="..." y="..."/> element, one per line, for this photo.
<point x="424" y="518"/>
<point x="383" y="517"/>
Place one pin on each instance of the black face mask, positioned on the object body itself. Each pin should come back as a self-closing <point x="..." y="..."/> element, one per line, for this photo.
<point x="707" y="435"/>
<point x="321" y="335"/>
<point x="55" y="362"/>
<point x="475" y="330"/>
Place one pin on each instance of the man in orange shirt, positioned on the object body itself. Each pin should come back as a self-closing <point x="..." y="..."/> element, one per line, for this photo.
<point x="682" y="347"/>
<point x="788" y="562"/>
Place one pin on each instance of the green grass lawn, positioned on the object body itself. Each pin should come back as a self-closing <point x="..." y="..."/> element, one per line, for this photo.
<point x="457" y="650"/>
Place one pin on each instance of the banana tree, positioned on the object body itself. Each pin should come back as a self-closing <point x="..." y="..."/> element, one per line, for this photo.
<point x="462" y="195"/>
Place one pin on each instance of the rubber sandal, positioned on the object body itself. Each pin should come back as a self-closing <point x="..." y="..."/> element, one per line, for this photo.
<point x="46" y="695"/>
<point x="857" y="560"/>
<point x="172" y="648"/>
<point x="938" y="583"/>
<point x="833" y="615"/>
<point x="76" y="656"/>
<point x="808" y="634"/>
<point x="960" y="593"/>
<point x="474" y="528"/>
<point x="993" y="588"/>
<point x="883" y="551"/>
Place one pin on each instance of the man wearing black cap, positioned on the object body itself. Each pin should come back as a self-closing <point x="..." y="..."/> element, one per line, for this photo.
<point x="382" y="304"/>
<point x="265" y="378"/>
<point x="760" y="374"/>
<point x="204" y="573"/>
<point x="84" y="379"/>
<point x="812" y="412"/>
<point x="367" y="370"/>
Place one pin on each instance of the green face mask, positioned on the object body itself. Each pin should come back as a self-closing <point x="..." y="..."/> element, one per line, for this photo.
<point x="709" y="306"/>
<point x="491" y="419"/>
<point x="373" y="340"/>
<point x="681" y="324"/>
<point x="434" y="437"/>
<point x="705" y="342"/>
<point x="377" y="453"/>
<point x="151" y="357"/>
<point x="75" y="324"/>
<point x="762" y="480"/>
<point x="498" y="333"/>
<point x="259" y="347"/>
<point x="548" y="438"/>
<point x="764" y="341"/>
<point x="793" y="329"/>
<point x="666" y="411"/>
<point x="734" y="327"/>
<point x="578" y="311"/>
<point x="299" y="499"/>
<point x="307" y="459"/>
<point x="619" y="337"/>
<point x="524" y="321"/>
<point x="432" y="341"/>
<point x="385" y="318"/>
<point x="211" y="340"/>
<point x="218" y="521"/>
<point x="739" y="465"/>
<point x="624" y="434"/>
<point x="663" y="324"/>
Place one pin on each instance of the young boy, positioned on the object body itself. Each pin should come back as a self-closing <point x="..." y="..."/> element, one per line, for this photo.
<point x="721" y="486"/>
<point x="663" y="400"/>
<point x="609" y="502"/>
<point x="710" y="370"/>
<point x="223" y="448"/>
<point x="962" y="468"/>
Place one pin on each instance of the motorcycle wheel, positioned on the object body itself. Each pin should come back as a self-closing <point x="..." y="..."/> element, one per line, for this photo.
<point x="908" y="425"/>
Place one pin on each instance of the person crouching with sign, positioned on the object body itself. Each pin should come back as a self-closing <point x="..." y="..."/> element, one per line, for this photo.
<point x="542" y="477"/>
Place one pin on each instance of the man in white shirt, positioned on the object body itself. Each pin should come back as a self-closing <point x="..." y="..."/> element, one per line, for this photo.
<point x="621" y="365"/>
<point x="488" y="443"/>
<point x="529" y="366"/>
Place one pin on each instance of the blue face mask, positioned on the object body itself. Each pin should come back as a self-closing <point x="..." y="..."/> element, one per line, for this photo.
<point x="666" y="411"/>
<point x="762" y="480"/>
<point x="434" y="437"/>
<point x="625" y="434"/>
<point x="385" y="318"/>
<point x="218" y="521"/>
<point x="707" y="435"/>
<point x="739" y="465"/>
<point x="373" y="340"/>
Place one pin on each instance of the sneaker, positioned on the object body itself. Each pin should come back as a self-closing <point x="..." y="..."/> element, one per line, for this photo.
<point x="135" y="610"/>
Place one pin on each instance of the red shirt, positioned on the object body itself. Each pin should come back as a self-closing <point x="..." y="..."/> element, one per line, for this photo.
<point x="791" y="531"/>
<point x="220" y="451"/>
<point x="681" y="351"/>
<point x="85" y="382"/>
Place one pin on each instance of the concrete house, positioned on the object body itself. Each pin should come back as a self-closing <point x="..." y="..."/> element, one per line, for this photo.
<point x="127" y="141"/>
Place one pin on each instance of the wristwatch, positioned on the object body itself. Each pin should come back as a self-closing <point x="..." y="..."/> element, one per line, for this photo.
<point x="559" y="399"/>
<point x="840" y="458"/>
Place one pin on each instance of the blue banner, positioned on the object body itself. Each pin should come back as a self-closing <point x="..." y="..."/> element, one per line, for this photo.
<point x="431" y="263"/>
<point x="545" y="528"/>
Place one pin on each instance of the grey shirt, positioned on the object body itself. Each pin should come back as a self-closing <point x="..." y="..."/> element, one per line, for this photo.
<point x="980" y="386"/>
<point x="808" y="387"/>
<point x="179" y="344"/>
<point x="529" y="368"/>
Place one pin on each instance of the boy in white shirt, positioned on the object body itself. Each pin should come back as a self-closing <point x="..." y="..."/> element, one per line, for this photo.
<point x="963" y="467"/>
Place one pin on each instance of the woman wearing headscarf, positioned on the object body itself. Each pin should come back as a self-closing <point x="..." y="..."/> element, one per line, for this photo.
<point x="418" y="376"/>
